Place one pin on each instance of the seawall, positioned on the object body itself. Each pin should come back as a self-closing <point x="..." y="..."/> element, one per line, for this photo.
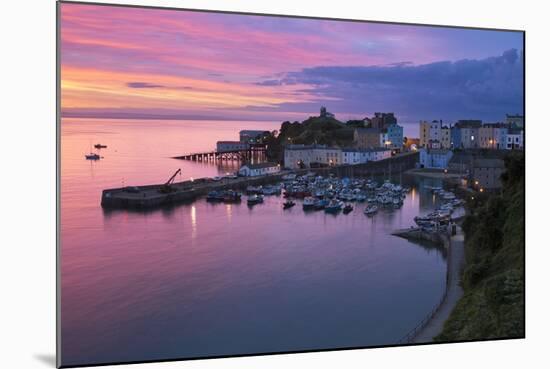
<point x="151" y="196"/>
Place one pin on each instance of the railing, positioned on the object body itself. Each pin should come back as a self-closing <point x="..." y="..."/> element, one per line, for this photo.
<point x="411" y="335"/>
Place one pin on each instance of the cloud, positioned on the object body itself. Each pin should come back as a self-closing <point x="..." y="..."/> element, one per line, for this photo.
<point x="143" y="85"/>
<point x="485" y="88"/>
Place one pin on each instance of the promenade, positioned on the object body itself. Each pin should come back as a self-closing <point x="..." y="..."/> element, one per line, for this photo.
<point x="454" y="291"/>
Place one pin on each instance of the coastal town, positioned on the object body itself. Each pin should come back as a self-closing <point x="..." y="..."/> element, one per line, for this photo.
<point x="471" y="149"/>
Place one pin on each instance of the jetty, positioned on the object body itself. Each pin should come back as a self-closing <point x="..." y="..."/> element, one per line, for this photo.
<point x="152" y="196"/>
<point x="418" y="234"/>
<point x="243" y="155"/>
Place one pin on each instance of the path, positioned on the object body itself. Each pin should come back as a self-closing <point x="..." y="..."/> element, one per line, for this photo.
<point x="454" y="291"/>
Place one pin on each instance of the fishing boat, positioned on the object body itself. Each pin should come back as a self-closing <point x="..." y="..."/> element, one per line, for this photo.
<point x="347" y="209"/>
<point x="371" y="210"/>
<point x="231" y="196"/>
<point x="251" y="190"/>
<point x="214" y="196"/>
<point x="309" y="203"/>
<point x="334" y="206"/>
<point x="271" y="190"/>
<point x="100" y="146"/>
<point x="255" y="199"/>
<point x="321" y="204"/>
<point x="288" y="204"/>
<point x="92" y="156"/>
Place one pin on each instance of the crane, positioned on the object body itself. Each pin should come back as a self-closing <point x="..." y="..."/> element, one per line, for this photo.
<point x="167" y="187"/>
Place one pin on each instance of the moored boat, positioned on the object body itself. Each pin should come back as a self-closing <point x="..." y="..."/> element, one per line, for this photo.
<point x="309" y="203"/>
<point x="288" y="204"/>
<point x="92" y="156"/>
<point x="347" y="209"/>
<point x="255" y="199"/>
<point x="334" y="206"/>
<point x="371" y="210"/>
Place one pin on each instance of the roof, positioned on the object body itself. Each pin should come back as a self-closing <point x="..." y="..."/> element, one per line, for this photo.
<point x="310" y="147"/>
<point x="488" y="163"/>
<point x="252" y="131"/>
<point x="260" y="165"/>
<point x="231" y="142"/>
<point x="356" y="149"/>
<point x="468" y="124"/>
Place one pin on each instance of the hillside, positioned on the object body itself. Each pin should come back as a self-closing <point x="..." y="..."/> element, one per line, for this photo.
<point x="493" y="279"/>
<point x="314" y="130"/>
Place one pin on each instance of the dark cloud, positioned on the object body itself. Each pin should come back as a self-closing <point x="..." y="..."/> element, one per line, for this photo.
<point x="486" y="88"/>
<point x="143" y="85"/>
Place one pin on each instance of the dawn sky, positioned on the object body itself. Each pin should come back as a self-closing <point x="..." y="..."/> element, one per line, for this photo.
<point x="131" y="62"/>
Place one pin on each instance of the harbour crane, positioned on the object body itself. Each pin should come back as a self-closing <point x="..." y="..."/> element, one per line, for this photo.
<point x="167" y="187"/>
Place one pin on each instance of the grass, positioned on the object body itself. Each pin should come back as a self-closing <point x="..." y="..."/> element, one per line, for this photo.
<point x="493" y="279"/>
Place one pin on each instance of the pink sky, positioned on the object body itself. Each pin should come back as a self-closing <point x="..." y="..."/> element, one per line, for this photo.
<point x="149" y="61"/>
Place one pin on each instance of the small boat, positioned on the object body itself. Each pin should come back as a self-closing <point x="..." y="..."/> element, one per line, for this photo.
<point x="251" y="190"/>
<point x="288" y="204"/>
<point x="92" y="156"/>
<point x="289" y="177"/>
<point x="231" y="196"/>
<point x="347" y="209"/>
<point x="255" y="199"/>
<point x="214" y="196"/>
<point x="271" y="190"/>
<point x="334" y="206"/>
<point x="100" y="146"/>
<point x="321" y="204"/>
<point x="371" y="210"/>
<point x="309" y="203"/>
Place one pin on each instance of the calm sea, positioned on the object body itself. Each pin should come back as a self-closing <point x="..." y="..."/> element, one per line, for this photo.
<point x="201" y="279"/>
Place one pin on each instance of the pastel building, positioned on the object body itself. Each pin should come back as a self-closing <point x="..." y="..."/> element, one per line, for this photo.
<point x="393" y="137"/>
<point x="493" y="136"/>
<point x="260" y="169"/>
<point x="465" y="134"/>
<point x="430" y="131"/>
<point x="353" y="156"/>
<point x="445" y="138"/>
<point x="306" y="156"/>
<point x="435" y="158"/>
<point x="514" y="139"/>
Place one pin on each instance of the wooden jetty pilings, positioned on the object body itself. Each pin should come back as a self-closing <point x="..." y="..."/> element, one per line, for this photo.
<point x="254" y="151"/>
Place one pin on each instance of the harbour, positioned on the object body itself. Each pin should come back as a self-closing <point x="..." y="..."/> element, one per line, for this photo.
<point x="150" y="196"/>
<point x="196" y="255"/>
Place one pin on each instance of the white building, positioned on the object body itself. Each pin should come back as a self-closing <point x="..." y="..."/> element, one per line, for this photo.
<point x="260" y="169"/>
<point x="430" y="131"/>
<point x="303" y="156"/>
<point x="228" y="146"/>
<point x="353" y="156"/>
<point x="514" y="140"/>
<point x="435" y="158"/>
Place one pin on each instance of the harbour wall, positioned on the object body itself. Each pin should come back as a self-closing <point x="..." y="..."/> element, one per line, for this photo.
<point x="151" y="196"/>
